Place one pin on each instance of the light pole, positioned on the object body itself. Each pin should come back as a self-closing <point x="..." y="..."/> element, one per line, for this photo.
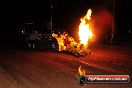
<point x="113" y="22"/>
<point x="51" y="19"/>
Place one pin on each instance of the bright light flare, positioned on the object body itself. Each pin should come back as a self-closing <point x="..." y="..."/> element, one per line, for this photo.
<point x="85" y="32"/>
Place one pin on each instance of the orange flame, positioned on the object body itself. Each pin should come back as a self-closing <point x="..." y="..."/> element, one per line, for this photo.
<point x="67" y="43"/>
<point x="81" y="71"/>
<point x="84" y="28"/>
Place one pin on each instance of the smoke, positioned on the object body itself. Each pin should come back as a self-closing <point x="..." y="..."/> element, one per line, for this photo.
<point x="101" y="23"/>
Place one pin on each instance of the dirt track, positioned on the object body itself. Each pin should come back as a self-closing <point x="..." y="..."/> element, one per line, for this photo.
<point x="35" y="69"/>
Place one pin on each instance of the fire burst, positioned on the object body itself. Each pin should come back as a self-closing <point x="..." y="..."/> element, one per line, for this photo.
<point x="67" y="43"/>
<point x="84" y="29"/>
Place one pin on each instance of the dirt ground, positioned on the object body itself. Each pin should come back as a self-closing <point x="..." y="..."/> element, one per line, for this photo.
<point x="41" y="69"/>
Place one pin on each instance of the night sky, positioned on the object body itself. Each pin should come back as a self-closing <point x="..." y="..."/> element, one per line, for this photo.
<point x="66" y="14"/>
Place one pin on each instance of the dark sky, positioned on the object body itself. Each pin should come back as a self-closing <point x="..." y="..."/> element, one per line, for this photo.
<point x="63" y="10"/>
<point x="65" y="13"/>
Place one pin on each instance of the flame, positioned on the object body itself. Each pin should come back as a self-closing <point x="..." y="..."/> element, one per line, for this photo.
<point x="84" y="28"/>
<point x="60" y="40"/>
<point x="65" y="41"/>
<point x="81" y="71"/>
